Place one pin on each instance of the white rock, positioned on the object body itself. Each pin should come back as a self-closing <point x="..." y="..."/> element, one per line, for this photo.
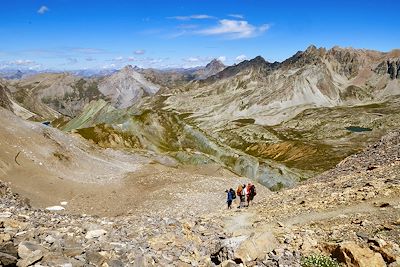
<point x="21" y="233"/>
<point x="49" y="239"/>
<point x="55" y="208"/>
<point x="6" y="214"/>
<point x="63" y="203"/>
<point x="95" y="233"/>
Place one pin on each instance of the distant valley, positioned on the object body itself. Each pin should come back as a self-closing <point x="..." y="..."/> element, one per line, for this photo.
<point x="277" y="123"/>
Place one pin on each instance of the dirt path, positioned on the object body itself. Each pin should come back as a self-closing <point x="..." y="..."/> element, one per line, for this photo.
<point x="244" y="222"/>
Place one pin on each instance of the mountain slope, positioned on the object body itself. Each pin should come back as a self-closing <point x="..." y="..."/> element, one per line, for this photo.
<point x="7" y="102"/>
<point x="277" y="123"/>
<point x="125" y="87"/>
<point x="167" y="133"/>
<point x="52" y="94"/>
<point x="271" y="93"/>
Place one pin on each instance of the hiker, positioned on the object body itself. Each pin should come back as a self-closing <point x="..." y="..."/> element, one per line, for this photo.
<point x="239" y="194"/>
<point x="229" y="198"/>
<point x="233" y="194"/>
<point x="243" y="196"/>
<point x="251" y="192"/>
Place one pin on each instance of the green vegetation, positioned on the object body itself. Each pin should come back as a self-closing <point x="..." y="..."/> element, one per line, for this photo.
<point x="106" y="136"/>
<point x="277" y="187"/>
<point x="61" y="156"/>
<point x="318" y="260"/>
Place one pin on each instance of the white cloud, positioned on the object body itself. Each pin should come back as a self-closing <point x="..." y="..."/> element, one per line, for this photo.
<point x="139" y="52"/>
<point x="199" y="16"/>
<point x="236" y="16"/>
<point x="118" y="59"/>
<point x="42" y="10"/>
<point x="109" y="66"/>
<point x="22" y="62"/>
<point x="35" y="67"/>
<point x="222" y="58"/>
<point x="90" y="59"/>
<point x="240" y="58"/>
<point x="196" y="61"/>
<point x="121" y="61"/>
<point x="235" y="29"/>
<point x="192" y="59"/>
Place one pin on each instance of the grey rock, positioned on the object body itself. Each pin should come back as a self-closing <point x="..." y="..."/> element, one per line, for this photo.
<point x="95" y="233"/>
<point x="115" y="263"/>
<point x="9" y="248"/>
<point x="7" y="260"/>
<point x="95" y="258"/>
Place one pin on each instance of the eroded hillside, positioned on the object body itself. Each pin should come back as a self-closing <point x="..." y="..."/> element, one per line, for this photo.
<point x="318" y="100"/>
<point x="350" y="213"/>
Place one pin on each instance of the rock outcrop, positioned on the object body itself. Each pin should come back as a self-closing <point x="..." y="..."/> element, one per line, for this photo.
<point x="125" y="87"/>
<point x="4" y="98"/>
<point x="391" y="67"/>
<point x="209" y="70"/>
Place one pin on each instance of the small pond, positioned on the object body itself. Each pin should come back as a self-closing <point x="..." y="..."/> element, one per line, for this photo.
<point x="358" y="129"/>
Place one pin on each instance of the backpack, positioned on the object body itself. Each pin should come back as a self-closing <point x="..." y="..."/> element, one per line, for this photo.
<point x="253" y="190"/>
<point x="239" y="191"/>
<point x="232" y="192"/>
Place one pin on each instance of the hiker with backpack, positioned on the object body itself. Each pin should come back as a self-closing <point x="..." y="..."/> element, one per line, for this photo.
<point x="230" y="197"/>
<point x="243" y="196"/>
<point x="239" y="192"/>
<point x="251" y="193"/>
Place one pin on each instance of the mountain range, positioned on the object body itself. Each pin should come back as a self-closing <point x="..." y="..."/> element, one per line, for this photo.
<point x="275" y="122"/>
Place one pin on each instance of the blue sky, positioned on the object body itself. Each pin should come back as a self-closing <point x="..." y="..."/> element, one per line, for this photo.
<point x="72" y="34"/>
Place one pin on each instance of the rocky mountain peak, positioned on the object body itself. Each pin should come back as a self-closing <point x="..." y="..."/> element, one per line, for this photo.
<point x="313" y="51"/>
<point x="210" y="69"/>
<point x="126" y="87"/>
<point x="312" y="55"/>
<point x="311" y="48"/>
<point x="215" y="63"/>
<point x="128" y="69"/>
<point x="258" y="60"/>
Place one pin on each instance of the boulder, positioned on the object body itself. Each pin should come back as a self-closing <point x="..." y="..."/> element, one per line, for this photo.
<point x="56" y="259"/>
<point x="7" y="260"/>
<point x="229" y="263"/>
<point x="256" y="247"/>
<point x="355" y="256"/>
<point x="115" y="263"/>
<point x="29" y="253"/>
<point x="95" y="258"/>
<point x="389" y="251"/>
<point x="95" y="233"/>
<point x="9" y="248"/>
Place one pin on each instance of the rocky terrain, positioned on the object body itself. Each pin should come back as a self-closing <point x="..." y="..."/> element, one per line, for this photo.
<point x="350" y="213"/>
<point x="126" y="87"/>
